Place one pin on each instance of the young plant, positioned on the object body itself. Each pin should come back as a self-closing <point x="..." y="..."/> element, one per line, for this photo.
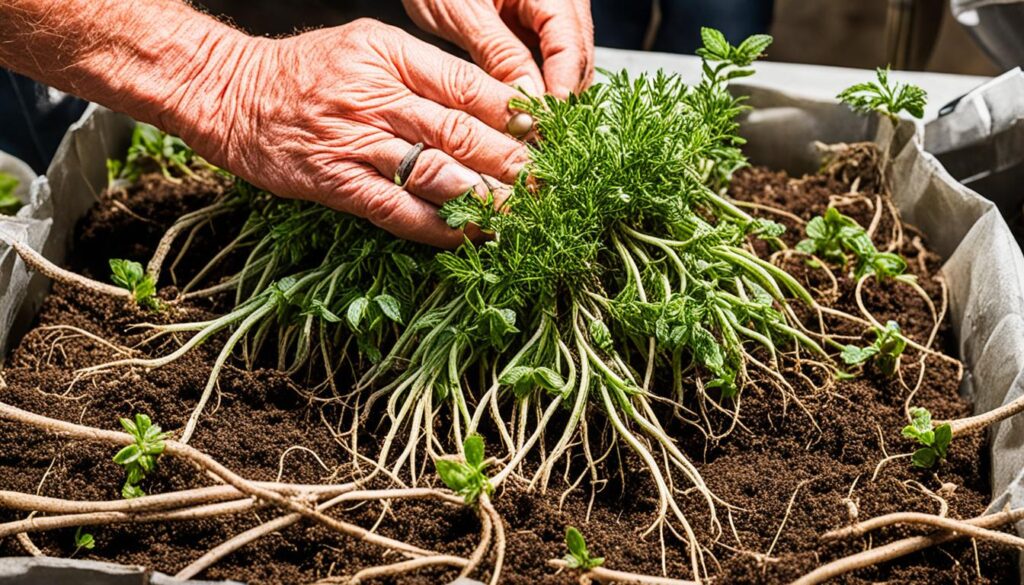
<point x="934" y="440"/>
<point x="140" y="457"/>
<point x="466" y="478"/>
<point x="833" y="236"/>
<point x="131" y="276"/>
<point x="885" y="351"/>
<point x="578" y="556"/>
<point x="150" y="148"/>
<point x="885" y="98"/>
<point x="83" y="540"/>
<point x="9" y="202"/>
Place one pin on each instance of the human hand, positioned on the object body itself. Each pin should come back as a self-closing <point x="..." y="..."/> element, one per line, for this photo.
<point x="497" y="34"/>
<point x="328" y="116"/>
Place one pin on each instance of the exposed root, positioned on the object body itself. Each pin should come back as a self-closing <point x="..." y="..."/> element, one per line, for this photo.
<point x="36" y="261"/>
<point x="396" y="569"/>
<point x="603" y="575"/>
<point x="903" y="547"/>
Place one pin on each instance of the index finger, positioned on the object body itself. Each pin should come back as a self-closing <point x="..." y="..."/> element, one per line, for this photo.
<point x="455" y="83"/>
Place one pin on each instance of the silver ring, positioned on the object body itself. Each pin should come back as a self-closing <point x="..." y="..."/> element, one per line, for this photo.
<point x="408" y="162"/>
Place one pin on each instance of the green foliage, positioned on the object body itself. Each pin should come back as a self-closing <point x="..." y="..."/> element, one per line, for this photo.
<point x="9" y="202"/>
<point x="578" y="556"/>
<point x="130" y="275"/>
<point x="524" y="379"/>
<point x="83" y="540"/>
<point x="833" y="236"/>
<point x="140" y="457"/>
<point x="934" y="440"/>
<point x="885" y="98"/>
<point x="885" y="351"/>
<point x="717" y="49"/>
<point x="466" y="478"/>
<point x="152" y="148"/>
<point x="469" y="208"/>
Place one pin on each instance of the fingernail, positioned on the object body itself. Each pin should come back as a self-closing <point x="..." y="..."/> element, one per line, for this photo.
<point x="466" y="179"/>
<point x="528" y="86"/>
<point x="520" y="124"/>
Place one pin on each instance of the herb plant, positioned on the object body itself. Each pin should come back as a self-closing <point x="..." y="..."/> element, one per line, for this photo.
<point x="140" y="457"/>
<point x="578" y="556"/>
<point x="884" y="97"/>
<point x="83" y="540"/>
<point x="934" y="440"/>
<point x="131" y="276"/>
<point x="833" y="236"/>
<point x="885" y="351"/>
<point x="466" y="478"/>
<point x="618" y="258"/>
<point x="9" y="202"/>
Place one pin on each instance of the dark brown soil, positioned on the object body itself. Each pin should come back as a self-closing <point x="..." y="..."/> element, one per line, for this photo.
<point x="781" y="459"/>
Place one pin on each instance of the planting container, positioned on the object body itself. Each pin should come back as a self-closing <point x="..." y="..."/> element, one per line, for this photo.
<point x="983" y="265"/>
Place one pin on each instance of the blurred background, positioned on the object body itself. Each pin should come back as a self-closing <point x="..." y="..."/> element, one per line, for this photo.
<point x="908" y="34"/>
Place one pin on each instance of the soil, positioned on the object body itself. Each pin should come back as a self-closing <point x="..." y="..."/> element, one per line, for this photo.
<point x="789" y="471"/>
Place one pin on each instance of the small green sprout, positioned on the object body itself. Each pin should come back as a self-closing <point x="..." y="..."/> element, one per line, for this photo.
<point x="140" y="457"/>
<point x="9" y="202"/>
<point x="832" y="236"/>
<point x="579" y="557"/>
<point x="466" y="478"/>
<point x="83" y="540"/>
<point x="934" y="440"/>
<point x="717" y="48"/>
<point x="885" y="351"/>
<point x="884" y="98"/>
<point x="130" y="275"/>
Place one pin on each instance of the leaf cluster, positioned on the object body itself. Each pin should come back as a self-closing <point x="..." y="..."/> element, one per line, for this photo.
<point x="578" y="556"/>
<point x="466" y="478"/>
<point x="524" y="379"/>
<point x="934" y="440"/>
<point x="130" y="275"/>
<point x="885" y="351"/>
<point x="9" y="202"/>
<point x="884" y="97"/>
<point x="833" y="236"/>
<point x="150" y="149"/>
<point x="140" y="457"/>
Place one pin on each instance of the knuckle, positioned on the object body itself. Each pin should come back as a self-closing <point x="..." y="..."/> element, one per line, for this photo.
<point x="500" y="57"/>
<point x="458" y="135"/>
<point x="428" y="172"/>
<point x="462" y="83"/>
<point x="383" y="209"/>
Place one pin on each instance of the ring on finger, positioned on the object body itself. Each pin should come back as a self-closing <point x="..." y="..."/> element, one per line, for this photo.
<point x="405" y="167"/>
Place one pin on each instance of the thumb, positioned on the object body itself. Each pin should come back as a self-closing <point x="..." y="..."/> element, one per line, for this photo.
<point x="497" y="50"/>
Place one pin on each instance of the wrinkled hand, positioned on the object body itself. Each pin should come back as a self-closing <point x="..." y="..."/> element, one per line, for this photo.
<point x="498" y="34"/>
<point x="328" y="116"/>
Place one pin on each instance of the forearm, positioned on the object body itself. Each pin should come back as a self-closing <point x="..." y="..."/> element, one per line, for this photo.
<point x="159" y="61"/>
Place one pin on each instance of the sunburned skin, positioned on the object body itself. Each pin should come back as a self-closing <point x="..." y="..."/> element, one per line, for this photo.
<point x="326" y="115"/>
